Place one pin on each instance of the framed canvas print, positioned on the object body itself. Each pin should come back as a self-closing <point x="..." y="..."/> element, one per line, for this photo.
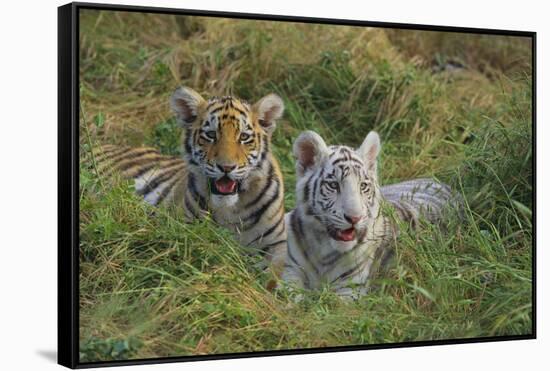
<point x="237" y="185"/>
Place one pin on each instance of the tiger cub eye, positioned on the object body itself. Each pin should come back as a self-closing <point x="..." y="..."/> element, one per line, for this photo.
<point x="333" y="185"/>
<point x="244" y="137"/>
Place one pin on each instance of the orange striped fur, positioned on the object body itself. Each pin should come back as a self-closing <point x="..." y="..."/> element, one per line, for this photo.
<point x="227" y="168"/>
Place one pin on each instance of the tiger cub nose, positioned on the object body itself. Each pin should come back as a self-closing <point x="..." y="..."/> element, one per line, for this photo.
<point x="226" y="168"/>
<point x="353" y="219"/>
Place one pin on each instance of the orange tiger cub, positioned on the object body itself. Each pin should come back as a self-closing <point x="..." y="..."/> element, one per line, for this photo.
<point x="227" y="169"/>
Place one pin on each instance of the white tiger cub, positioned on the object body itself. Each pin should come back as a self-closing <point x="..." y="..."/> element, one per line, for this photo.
<point x="337" y="233"/>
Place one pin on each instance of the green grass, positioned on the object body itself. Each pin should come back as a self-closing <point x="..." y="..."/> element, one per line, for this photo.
<point x="152" y="286"/>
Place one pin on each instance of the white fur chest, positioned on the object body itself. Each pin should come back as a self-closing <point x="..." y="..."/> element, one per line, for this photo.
<point x="315" y="260"/>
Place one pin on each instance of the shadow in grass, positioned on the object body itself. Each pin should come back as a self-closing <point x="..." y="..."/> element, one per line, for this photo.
<point x="50" y="355"/>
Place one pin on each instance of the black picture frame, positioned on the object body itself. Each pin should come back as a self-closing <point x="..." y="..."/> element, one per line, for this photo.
<point x="68" y="182"/>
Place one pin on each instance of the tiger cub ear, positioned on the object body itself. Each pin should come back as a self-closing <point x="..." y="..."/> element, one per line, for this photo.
<point x="310" y="151"/>
<point x="268" y="109"/>
<point x="369" y="151"/>
<point x="186" y="104"/>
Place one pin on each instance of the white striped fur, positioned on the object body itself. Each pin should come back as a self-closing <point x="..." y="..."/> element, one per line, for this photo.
<point x="337" y="234"/>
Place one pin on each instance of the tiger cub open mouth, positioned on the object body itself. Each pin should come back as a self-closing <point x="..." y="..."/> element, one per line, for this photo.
<point x="224" y="186"/>
<point x="343" y="234"/>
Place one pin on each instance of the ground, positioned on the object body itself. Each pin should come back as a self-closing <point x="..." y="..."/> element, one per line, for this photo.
<point x="456" y="107"/>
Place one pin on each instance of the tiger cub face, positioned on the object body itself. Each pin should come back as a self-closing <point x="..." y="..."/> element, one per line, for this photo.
<point x="338" y="186"/>
<point x="225" y="138"/>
